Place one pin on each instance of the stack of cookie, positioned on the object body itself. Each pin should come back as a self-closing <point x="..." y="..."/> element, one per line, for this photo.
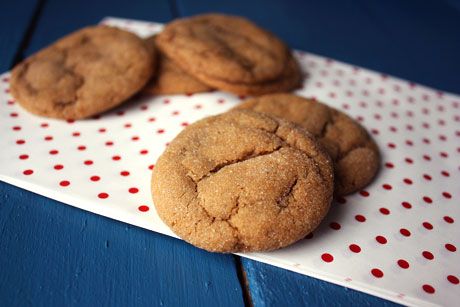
<point x="228" y="53"/>
<point x="261" y="176"/>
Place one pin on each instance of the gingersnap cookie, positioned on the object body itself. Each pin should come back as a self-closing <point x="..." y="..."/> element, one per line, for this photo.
<point x="290" y="79"/>
<point x="229" y="53"/>
<point x="242" y="181"/>
<point x="87" y="72"/>
<point x="355" y="155"/>
<point x="170" y="79"/>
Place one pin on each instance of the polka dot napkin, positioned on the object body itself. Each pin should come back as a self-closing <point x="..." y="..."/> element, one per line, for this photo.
<point x="398" y="239"/>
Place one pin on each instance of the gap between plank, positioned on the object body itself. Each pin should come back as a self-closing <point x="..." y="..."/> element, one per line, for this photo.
<point x="18" y="56"/>
<point x="243" y="282"/>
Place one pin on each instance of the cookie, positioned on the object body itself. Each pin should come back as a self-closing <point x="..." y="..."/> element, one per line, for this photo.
<point x="290" y="79"/>
<point x="170" y="78"/>
<point x="355" y="154"/>
<point x="242" y="181"/>
<point x="85" y="73"/>
<point x="222" y="50"/>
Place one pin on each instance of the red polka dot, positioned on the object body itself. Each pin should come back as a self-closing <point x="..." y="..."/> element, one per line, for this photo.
<point x="75" y="134"/>
<point x="144" y="152"/>
<point x="16" y="128"/>
<point x="20" y="142"/>
<point x="48" y="138"/>
<point x="427" y="199"/>
<point x="124" y="173"/>
<point x="403" y="264"/>
<point x="386" y="186"/>
<point x="427" y="177"/>
<point x="427" y="225"/>
<point x="95" y="178"/>
<point x="133" y="190"/>
<point x="453" y="279"/>
<point x="116" y="158"/>
<point x="381" y="239"/>
<point x="135" y="138"/>
<point x="448" y="219"/>
<point x="24" y="157"/>
<point x="88" y="162"/>
<point x="53" y="152"/>
<point x="44" y="125"/>
<point x="384" y="211"/>
<point x="160" y="131"/>
<point x="389" y="165"/>
<point x="428" y="289"/>
<point x="103" y="195"/>
<point x="64" y="183"/>
<point x="405" y="232"/>
<point x="28" y="172"/>
<point x="108" y="143"/>
<point x="81" y="147"/>
<point x="327" y="257"/>
<point x="407" y="181"/>
<point x="355" y="248"/>
<point x="143" y="208"/>
<point x="409" y="160"/>
<point x="364" y="193"/>
<point x="102" y="130"/>
<point x="377" y="273"/>
<point x="58" y="167"/>
<point x="360" y="218"/>
<point x="445" y="173"/>
<point x="406" y="205"/>
<point x="335" y="225"/>
<point x="428" y="255"/>
<point x="450" y="247"/>
<point x="446" y="195"/>
<point x="151" y="167"/>
<point x="391" y="145"/>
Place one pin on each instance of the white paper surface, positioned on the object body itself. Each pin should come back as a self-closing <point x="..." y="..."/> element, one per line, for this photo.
<point x="417" y="189"/>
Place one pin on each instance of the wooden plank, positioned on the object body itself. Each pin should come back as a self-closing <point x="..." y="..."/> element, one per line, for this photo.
<point x="416" y="41"/>
<point x="53" y="254"/>
<point x="272" y="286"/>
<point x="15" y="19"/>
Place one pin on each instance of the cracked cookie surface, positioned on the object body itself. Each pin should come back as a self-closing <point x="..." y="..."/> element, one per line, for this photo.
<point x="242" y="181"/>
<point x="170" y="78"/>
<point x="355" y="155"/>
<point x="83" y="74"/>
<point x="230" y="53"/>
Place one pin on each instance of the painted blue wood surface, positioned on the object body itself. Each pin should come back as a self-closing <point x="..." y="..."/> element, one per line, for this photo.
<point x="55" y="255"/>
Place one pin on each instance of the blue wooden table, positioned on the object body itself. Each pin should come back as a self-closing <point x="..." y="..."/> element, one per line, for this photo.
<point x="56" y="255"/>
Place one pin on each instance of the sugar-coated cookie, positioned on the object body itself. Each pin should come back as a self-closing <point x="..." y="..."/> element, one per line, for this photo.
<point x="242" y="181"/>
<point x="85" y="73"/>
